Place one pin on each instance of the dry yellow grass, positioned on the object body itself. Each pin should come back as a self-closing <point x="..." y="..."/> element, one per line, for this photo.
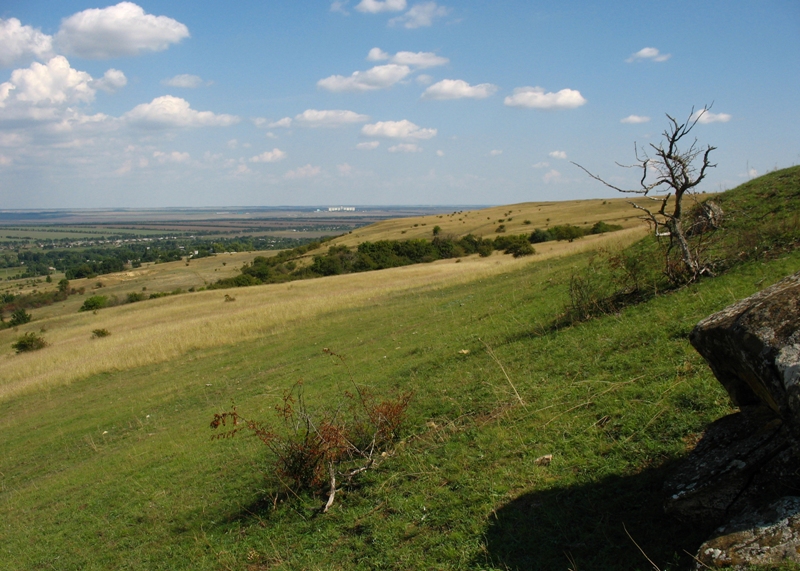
<point x="162" y="329"/>
<point x="484" y="222"/>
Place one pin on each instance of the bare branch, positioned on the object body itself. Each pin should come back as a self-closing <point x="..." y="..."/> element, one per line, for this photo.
<point x="669" y="170"/>
<point x="332" y="493"/>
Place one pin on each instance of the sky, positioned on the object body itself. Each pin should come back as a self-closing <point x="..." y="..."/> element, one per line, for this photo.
<point x="381" y="102"/>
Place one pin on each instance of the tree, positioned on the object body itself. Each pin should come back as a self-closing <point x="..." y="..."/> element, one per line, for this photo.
<point x="20" y="317"/>
<point x="668" y="173"/>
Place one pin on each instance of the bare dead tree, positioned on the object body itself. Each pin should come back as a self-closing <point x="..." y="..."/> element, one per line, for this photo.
<point x="668" y="173"/>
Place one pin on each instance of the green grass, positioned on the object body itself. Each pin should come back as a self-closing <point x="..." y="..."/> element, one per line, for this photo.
<point x="118" y="471"/>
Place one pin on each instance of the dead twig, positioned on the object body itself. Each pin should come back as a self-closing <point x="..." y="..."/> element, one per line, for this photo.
<point x="496" y="360"/>
<point x="591" y="399"/>
<point x="696" y="559"/>
<point x="640" y="549"/>
<point x="642" y="429"/>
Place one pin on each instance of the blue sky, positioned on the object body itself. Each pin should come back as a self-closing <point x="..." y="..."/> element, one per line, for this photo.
<point x="384" y="102"/>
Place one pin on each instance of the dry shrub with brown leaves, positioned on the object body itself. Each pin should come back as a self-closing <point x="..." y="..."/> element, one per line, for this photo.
<point x="309" y="449"/>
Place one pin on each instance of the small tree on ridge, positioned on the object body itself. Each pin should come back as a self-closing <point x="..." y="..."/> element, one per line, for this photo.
<point x="668" y="173"/>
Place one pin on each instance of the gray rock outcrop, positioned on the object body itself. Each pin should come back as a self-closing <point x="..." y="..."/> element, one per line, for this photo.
<point x="753" y="348"/>
<point x="767" y="536"/>
<point x="749" y="459"/>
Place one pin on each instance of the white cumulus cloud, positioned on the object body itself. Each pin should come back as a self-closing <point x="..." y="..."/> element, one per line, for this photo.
<point x="379" y="77"/>
<point x="185" y="80"/>
<point x="377" y="54"/>
<point x="415" y="59"/>
<point x="551" y="176"/>
<point x="704" y="116"/>
<point x="307" y="171"/>
<point x="329" y="118"/>
<point x="55" y="82"/>
<point x="368" y="146"/>
<point x="495" y="153"/>
<point x="404" y="129"/>
<point x="420" y="60"/>
<point x="405" y="148"/>
<point x="173" y="157"/>
<point x="20" y="43"/>
<point x="651" y="54"/>
<point x="169" y="111"/>
<point x="420" y="15"/>
<point x="284" y="123"/>
<point x="112" y="80"/>
<point x="537" y="98"/>
<point x="121" y="30"/>
<point x="376" y="6"/>
<point x="558" y="154"/>
<point x="458" y="89"/>
<point x="272" y="156"/>
<point x="635" y="119"/>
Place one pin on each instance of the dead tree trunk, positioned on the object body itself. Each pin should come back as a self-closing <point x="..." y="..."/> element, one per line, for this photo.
<point x="668" y="173"/>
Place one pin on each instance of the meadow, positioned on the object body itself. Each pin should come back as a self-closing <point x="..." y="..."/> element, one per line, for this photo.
<point x="108" y="462"/>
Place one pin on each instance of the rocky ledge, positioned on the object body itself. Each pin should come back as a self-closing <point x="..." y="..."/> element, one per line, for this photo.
<point x="743" y="477"/>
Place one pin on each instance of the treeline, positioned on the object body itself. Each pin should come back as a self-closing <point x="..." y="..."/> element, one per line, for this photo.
<point x="385" y="254"/>
<point x="15" y="305"/>
<point x="570" y="232"/>
<point x="370" y="256"/>
<point x="90" y="262"/>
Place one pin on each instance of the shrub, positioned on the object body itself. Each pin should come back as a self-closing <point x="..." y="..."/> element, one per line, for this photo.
<point x="97" y="333"/>
<point x="567" y="232"/>
<point x="94" y="302"/>
<point x="588" y="298"/>
<point x="517" y="245"/>
<point x="485" y="249"/>
<point x="135" y="296"/>
<point x="603" y="227"/>
<point x="519" y="249"/>
<point x="29" y="342"/>
<point x="538" y="236"/>
<point x="20" y="317"/>
<point x="309" y="449"/>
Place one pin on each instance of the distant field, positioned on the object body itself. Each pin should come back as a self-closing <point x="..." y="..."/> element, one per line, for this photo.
<point x="41" y="225"/>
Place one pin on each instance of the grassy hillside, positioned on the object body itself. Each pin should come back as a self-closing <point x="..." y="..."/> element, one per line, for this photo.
<point x="517" y="219"/>
<point x="157" y="330"/>
<point x="116" y="469"/>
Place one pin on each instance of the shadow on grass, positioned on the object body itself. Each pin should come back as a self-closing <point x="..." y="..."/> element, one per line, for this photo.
<point x="584" y="528"/>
